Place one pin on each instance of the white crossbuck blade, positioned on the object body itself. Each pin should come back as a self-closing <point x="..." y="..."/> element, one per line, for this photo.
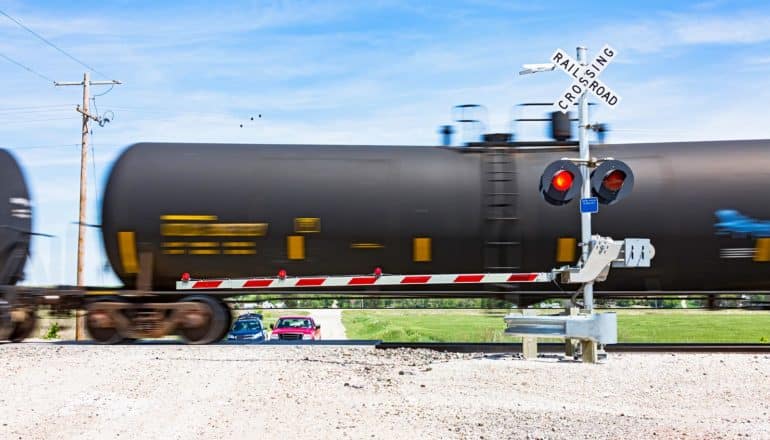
<point x="585" y="78"/>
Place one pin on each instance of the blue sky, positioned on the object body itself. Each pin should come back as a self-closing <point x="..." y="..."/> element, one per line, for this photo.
<point x="375" y="72"/>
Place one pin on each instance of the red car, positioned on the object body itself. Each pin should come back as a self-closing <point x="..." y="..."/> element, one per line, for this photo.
<point x="294" y="328"/>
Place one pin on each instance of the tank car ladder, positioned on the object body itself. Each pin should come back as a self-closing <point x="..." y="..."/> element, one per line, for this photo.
<point x="502" y="247"/>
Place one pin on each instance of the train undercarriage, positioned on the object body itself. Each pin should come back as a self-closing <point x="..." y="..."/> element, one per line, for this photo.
<point x="18" y="316"/>
<point x="197" y="319"/>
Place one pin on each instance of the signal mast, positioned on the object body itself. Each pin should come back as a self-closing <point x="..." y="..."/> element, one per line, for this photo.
<point x="611" y="180"/>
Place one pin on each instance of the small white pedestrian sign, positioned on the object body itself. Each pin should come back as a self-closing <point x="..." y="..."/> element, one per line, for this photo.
<point x="585" y="78"/>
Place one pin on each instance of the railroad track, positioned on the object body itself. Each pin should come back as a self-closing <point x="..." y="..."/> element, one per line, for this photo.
<point x="483" y="347"/>
<point x="493" y="347"/>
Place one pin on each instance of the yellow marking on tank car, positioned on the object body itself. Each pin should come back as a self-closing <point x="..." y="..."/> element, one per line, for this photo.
<point x="214" y="229"/>
<point x="421" y="249"/>
<point x="366" y="246"/>
<point x="566" y="249"/>
<point x="189" y="217"/>
<point x="306" y="225"/>
<point x="174" y="244"/>
<point x="295" y="247"/>
<point x="174" y="251"/>
<point x="203" y="244"/>
<point x="101" y="292"/>
<point x="239" y="243"/>
<point x="239" y="251"/>
<point x="180" y="229"/>
<point x="237" y="229"/>
<point x="762" y="250"/>
<point x="204" y="251"/>
<point x="127" y="251"/>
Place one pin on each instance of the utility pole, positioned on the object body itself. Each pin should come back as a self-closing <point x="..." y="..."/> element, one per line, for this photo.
<point x="87" y="118"/>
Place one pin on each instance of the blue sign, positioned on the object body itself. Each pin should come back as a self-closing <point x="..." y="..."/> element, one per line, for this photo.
<point x="589" y="205"/>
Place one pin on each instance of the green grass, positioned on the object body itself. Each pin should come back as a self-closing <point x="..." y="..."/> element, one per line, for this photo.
<point x="694" y="326"/>
<point x="487" y="326"/>
<point x="424" y="325"/>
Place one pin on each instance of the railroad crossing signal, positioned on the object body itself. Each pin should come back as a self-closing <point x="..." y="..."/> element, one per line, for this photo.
<point x="585" y="78"/>
<point x="611" y="181"/>
<point x="607" y="187"/>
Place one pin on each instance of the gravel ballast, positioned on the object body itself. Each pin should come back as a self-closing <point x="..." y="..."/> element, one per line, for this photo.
<point x="173" y="391"/>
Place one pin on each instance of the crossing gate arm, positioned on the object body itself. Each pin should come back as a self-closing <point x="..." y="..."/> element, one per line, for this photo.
<point x="264" y="283"/>
<point x="604" y="253"/>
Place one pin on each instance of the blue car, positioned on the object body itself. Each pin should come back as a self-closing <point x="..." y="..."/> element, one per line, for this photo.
<point x="248" y="328"/>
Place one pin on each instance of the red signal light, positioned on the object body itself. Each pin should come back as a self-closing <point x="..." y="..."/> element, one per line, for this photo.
<point x="614" y="180"/>
<point x="282" y="274"/>
<point x="562" y="180"/>
<point x="186" y="277"/>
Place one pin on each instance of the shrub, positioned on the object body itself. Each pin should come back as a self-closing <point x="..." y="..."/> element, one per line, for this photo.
<point x="53" y="331"/>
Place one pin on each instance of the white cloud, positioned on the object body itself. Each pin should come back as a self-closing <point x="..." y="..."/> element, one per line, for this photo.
<point x="743" y="28"/>
<point x="681" y="29"/>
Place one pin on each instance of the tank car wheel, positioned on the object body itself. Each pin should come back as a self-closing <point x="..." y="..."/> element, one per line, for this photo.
<point x="100" y="326"/>
<point x="228" y="320"/>
<point x="206" y="327"/>
<point x="24" y="329"/>
<point x="6" y="324"/>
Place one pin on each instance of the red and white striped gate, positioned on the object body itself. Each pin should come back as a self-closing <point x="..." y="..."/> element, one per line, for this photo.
<point x="376" y="279"/>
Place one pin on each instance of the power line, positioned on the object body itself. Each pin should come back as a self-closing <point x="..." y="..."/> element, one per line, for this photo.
<point x="44" y="40"/>
<point x="112" y="86"/>
<point x="27" y="68"/>
<point x="33" y="107"/>
<point x="42" y="147"/>
<point x="179" y="112"/>
<point x="35" y="112"/>
<point x="35" y="121"/>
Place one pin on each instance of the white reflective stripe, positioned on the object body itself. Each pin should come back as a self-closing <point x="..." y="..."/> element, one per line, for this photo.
<point x="19" y="201"/>
<point x="365" y="280"/>
<point x="737" y="252"/>
<point x="21" y="213"/>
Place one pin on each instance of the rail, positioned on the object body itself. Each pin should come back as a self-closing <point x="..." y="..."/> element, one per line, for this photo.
<point x="494" y="347"/>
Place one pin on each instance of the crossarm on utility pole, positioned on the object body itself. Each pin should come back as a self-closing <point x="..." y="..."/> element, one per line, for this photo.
<point x="87" y="115"/>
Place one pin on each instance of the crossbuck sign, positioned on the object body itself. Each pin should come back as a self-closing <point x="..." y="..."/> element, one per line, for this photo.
<point x="585" y="78"/>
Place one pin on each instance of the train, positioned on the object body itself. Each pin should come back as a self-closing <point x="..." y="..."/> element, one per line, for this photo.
<point x="17" y="318"/>
<point x="241" y="210"/>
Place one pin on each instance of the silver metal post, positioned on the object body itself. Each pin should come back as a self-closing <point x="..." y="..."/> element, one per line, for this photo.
<point x="585" y="156"/>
